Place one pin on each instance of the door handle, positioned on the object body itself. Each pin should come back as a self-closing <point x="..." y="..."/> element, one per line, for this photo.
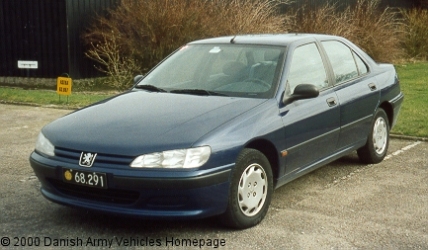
<point x="372" y="86"/>
<point x="331" y="102"/>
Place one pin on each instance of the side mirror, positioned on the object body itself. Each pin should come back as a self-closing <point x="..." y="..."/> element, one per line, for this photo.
<point x="302" y="91"/>
<point x="138" y="78"/>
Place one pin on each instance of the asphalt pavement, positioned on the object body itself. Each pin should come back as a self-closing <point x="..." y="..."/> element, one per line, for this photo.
<point x="343" y="205"/>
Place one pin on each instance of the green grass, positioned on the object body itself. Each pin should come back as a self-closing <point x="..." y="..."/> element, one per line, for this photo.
<point x="49" y="97"/>
<point x="413" y="117"/>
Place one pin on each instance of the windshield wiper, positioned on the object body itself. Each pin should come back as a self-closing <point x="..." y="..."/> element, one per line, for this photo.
<point x="150" y="88"/>
<point x="196" y="92"/>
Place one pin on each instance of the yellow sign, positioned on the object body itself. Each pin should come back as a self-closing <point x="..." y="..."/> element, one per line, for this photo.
<point x="63" y="86"/>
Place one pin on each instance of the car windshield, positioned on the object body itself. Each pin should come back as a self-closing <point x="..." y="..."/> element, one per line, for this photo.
<point x="224" y="69"/>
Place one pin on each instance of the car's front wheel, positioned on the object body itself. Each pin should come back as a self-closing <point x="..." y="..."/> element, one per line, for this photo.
<point x="377" y="143"/>
<point x="250" y="191"/>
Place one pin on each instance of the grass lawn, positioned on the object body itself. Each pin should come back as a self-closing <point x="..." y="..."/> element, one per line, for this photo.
<point x="49" y="97"/>
<point x="413" y="117"/>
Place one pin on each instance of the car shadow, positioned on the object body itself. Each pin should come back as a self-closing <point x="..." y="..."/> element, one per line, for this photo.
<point x="127" y="225"/>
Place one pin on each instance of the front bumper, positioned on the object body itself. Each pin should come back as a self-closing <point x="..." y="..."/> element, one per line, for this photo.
<point x="196" y="196"/>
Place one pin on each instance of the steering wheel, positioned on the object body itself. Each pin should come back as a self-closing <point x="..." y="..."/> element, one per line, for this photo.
<point x="259" y="81"/>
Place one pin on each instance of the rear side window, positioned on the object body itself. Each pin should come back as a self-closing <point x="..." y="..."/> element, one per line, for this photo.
<point x="342" y="60"/>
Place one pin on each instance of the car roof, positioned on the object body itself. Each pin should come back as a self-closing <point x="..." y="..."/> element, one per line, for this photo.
<point x="268" y="39"/>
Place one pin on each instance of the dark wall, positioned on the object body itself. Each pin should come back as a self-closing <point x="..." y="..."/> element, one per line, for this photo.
<point x="33" y="30"/>
<point x="49" y="32"/>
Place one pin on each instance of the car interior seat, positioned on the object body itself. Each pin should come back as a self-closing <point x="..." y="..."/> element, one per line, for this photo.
<point x="265" y="70"/>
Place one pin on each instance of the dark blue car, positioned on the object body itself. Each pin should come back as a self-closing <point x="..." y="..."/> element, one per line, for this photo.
<point x="218" y="125"/>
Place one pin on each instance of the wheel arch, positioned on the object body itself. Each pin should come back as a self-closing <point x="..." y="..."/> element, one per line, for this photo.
<point x="269" y="150"/>
<point x="389" y="111"/>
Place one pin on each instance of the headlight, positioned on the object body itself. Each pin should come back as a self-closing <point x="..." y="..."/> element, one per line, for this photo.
<point x="44" y="146"/>
<point x="181" y="158"/>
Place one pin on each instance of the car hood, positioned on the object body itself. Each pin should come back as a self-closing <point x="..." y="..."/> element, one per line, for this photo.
<point x="139" y="122"/>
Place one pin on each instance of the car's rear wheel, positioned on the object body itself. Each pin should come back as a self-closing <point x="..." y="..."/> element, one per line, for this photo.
<point x="378" y="141"/>
<point x="250" y="191"/>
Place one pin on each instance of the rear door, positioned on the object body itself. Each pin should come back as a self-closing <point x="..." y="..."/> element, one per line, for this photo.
<point x="357" y="93"/>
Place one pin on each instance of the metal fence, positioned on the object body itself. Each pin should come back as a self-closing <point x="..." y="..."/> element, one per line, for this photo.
<point x="42" y="38"/>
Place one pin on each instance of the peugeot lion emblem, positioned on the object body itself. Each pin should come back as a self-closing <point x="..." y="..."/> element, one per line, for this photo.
<point x="87" y="159"/>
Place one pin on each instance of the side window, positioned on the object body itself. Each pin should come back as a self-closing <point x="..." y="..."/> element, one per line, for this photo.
<point x="362" y="67"/>
<point x="342" y="61"/>
<point x="306" y="67"/>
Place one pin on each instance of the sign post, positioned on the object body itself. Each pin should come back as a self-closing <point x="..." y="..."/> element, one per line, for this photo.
<point x="28" y="65"/>
<point x="63" y="86"/>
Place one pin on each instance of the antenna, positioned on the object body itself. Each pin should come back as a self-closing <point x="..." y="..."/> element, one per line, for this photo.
<point x="233" y="39"/>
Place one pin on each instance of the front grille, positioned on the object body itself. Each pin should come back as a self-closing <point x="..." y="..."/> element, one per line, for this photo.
<point x="114" y="196"/>
<point x="106" y="160"/>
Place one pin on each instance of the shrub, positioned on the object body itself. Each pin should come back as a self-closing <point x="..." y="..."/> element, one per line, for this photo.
<point x="415" y="39"/>
<point x="322" y="19"/>
<point x="136" y="35"/>
<point x="117" y="65"/>
<point x="377" y="31"/>
<point x="372" y="29"/>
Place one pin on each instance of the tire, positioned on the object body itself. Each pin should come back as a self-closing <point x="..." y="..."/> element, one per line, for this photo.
<point x="250" y="190"/>
<point x="378" y="140"/>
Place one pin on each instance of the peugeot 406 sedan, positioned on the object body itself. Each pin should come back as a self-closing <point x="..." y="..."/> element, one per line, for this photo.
<point x="218" y="125"/>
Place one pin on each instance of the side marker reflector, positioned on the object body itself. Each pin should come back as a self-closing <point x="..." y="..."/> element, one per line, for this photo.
<point x="284" y="153"/>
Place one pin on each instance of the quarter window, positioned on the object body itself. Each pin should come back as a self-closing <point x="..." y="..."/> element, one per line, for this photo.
<point x="341" y="60"/>
<point x="306" y="67"/>
<point x="362" y="67"/>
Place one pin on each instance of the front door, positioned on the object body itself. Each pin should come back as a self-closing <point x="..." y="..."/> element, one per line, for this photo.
<point x="311" y="126"/>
